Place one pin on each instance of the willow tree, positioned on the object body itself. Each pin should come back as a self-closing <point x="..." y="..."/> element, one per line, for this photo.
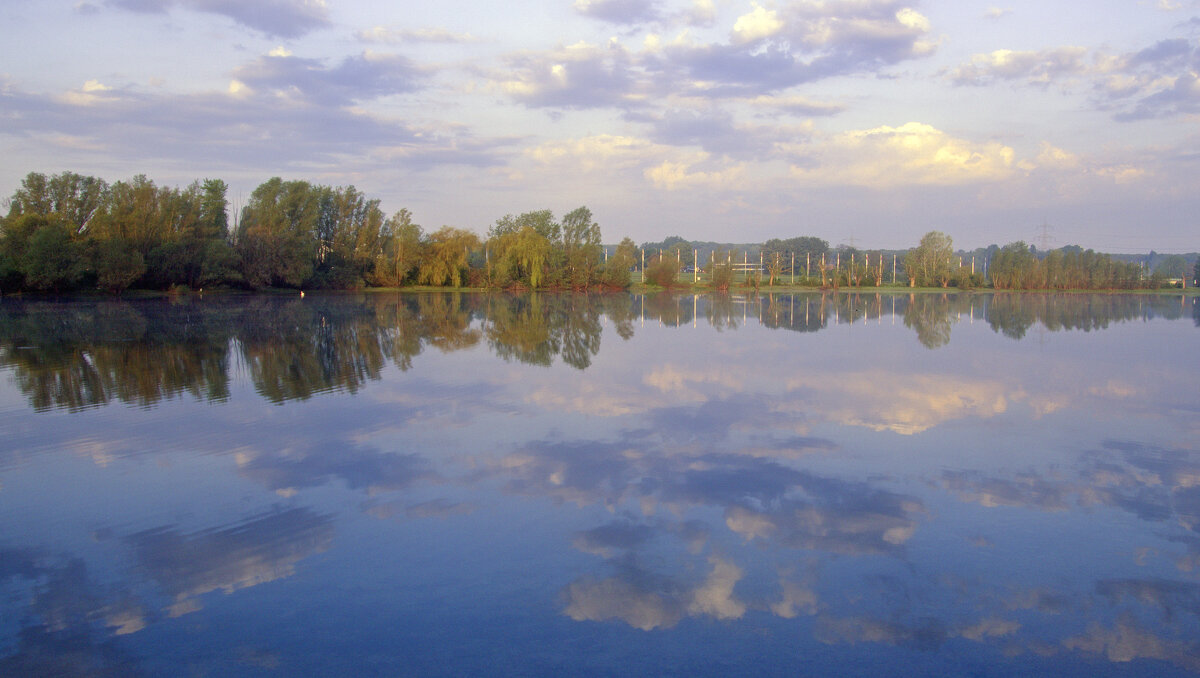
<point x="447" y="254"/>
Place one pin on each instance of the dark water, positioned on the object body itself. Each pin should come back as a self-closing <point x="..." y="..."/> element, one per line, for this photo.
<point x="607" y="485"/>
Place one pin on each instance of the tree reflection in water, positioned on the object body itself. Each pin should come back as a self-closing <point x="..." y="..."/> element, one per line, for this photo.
<point x="81" y="354"/>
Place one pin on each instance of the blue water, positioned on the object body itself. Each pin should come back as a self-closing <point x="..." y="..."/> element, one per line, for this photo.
<point x="849" y="484"/>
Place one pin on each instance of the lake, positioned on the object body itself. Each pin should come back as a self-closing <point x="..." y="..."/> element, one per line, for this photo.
<point x="851" y="484"/>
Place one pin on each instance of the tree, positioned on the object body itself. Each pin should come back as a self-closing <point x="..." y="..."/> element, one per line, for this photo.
<point x="446" y="256"/>
<point x="1013" y="266"/>
<point x="399" y="250"/>
<point x="581" y="244"/>
<point x="117" y="265"/>
<point x="801" y="246"/>
<point x="275" y="237"/>
<point x="214" y="217"/>
<point x="616" y="270"/>
<point x="931" y="262"/>
<point x="73" y="198"/>
<point x="51" y="260"/>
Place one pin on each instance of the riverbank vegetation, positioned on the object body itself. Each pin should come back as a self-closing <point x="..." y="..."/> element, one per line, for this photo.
<point x="69" y="232"/>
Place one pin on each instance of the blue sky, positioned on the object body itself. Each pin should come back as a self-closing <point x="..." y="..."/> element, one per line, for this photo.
<point x="858" y="121"/>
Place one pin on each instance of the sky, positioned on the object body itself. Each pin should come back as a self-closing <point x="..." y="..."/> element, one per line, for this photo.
<point x="863" y="122"/>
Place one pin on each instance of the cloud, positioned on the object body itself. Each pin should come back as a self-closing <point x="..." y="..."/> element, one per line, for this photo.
<point x="701" y="14"/>
<point x="289" y="112"/>
<point x="619" y="11"/>
<point x="257" y="550"/>
<point x="758" y="24"/>
<point x="276" y="18"/>
<point x="575" y="77"/>
<point x="359" y="468"/>
<point x="1155" y="82"/>
<point x="912" y="154"/>
<point x="1025" y="490"/>
<point x="832" y="516"/>
<point x="364" y="77"/>
<point x="673" y="176"/>
<point x="607" y="540"/>
<point x="797" y="105"/>
<point x="647" y="601"/>
<point x="1041" y="67"/>
<point x="995" y="13"/>
<point x="395" y="36"/>
<point x="714" y="131"/>
<point x="768" y="50"/>
<point x="1127" y="640"/>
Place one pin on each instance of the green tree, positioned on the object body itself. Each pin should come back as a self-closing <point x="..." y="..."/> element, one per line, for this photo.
<point x="399" y="251"/>
<point x="117" y="265"/>
<point x="52" y="260"/>
<point x="802" y="246"/>
<point x="275" y="237"/>
<point x="931" y="262"/>
<point x="1013" y="267"/>
<point x="214" y="210"/>
<point x="447" y="254"/>
<point x="618" y="266"/>
<point x="74" y="198"/>
<point x="581" y="245"/>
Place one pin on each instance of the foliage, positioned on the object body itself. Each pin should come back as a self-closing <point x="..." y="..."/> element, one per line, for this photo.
<point x="662" y="271"/>
<point x="399" y="251"/>
<point x="675" y="248"/>
<point x="805" y="248"/>
<point x="1016" y="266"/>
<point x="51" y="261"/>
<point x="117" y="265"/>
<point x="721" y="275"/>
<point x="299" y="234"/>
<point x="616" y="270"/>
<point x="931" y="262"/>
<point x="447" y="253"/>
<point x="581" y="247"/>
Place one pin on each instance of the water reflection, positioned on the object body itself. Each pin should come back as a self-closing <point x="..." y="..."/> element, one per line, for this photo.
<point x="84" y="354"/>
<point x="842" y="499"/>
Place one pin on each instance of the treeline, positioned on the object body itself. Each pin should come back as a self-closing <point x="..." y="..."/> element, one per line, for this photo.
<point x="71" y="232"/>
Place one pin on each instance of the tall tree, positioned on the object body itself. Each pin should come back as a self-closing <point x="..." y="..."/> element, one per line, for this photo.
<point x="447" y="254"/>
<point x="581" y="244"/>
<point x="931" y="262"/>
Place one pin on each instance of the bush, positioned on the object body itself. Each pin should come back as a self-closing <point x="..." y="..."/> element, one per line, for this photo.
<point x="722" y="276"/>
<point x="662" y="271"/>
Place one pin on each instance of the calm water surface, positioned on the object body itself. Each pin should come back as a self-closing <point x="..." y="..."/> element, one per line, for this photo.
<point x="601" y="485"/>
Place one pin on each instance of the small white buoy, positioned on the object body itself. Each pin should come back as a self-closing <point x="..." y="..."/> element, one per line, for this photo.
<point x="301" y="294"/>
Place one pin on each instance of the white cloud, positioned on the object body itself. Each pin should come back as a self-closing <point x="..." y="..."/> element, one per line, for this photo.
<point x="912" y="154"/>
<point x="673" y="176"/>
<point x="759" y="23"/>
